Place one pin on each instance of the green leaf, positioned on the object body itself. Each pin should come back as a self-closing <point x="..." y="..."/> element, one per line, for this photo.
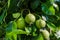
<point x="58" y="16"/>
<point x="28" y="30"/>
<point x="52" y="1"/>
<point x="11" y="27"/>
<point x="48" y="10"/>
<point x="51" y="26"/>
<point x="58" y="25"/>
<point x="35" y="4"/>
<point x="16" y="15"/>
<point x="10" y="31"/>
<point x="15" y="36"/>
<point x="9" y="3"/>
<point x="40" y="37"/>
<point x="12" y="5"/>
<point x="56" y="6"/>
<point x="34" y="29"/>
<point x="52" y="10"/>
<point x="19" y="37"/>
<point x="3" y="15"/>
<point x="52" y="18"/>
<point x="20" y="3"/>
<point x="14" y="26"/>
<point x="8" y="37"/>
<point x="34" y="34"/>
<point x="11" y="36"/>
<point x="18" y="31"/>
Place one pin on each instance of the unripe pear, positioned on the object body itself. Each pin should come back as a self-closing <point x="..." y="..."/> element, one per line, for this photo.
<point x="30" y="18"/>
<point x="40" y="23"/>
<point x="20" y="23"/>
<point x="45" y="34"/>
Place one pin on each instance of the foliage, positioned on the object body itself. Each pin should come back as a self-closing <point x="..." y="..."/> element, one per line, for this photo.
<point x="12" y="10"/>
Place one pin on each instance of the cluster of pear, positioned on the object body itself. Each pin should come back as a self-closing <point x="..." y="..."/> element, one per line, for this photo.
<point x="30" y="19"/>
